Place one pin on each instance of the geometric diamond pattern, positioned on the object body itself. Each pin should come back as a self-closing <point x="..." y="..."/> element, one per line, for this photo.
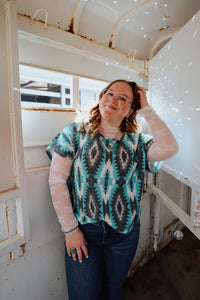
<point x="108" y="175"/>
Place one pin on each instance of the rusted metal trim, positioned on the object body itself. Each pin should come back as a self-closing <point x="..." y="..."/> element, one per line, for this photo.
<point x="7" y="218"/>
<point x="10" y="255"/>
<point x="49" y="109"/>
<point x="79" y="44"/>
<point x="37" y="169"/>
<point x="14" y="188"/>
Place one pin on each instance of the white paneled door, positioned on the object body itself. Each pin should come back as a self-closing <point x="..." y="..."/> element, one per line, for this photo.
<point x="14" y="229"/>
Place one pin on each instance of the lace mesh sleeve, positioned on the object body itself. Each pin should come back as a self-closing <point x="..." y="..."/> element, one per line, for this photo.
<point x="59" y="173"/>
<point x="164" y="144"/>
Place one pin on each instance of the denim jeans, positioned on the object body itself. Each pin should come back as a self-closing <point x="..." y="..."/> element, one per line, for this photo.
<point x="101" y="275"/>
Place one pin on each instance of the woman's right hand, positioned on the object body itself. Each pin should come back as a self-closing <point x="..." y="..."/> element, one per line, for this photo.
<point x="143" y="99"/>
<point x="76" y="241"/>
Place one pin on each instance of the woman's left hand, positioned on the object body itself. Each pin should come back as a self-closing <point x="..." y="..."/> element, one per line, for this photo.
<point x="143" y="98"/>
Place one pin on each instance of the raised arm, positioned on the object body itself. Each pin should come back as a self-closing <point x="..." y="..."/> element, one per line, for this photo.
<point x="164" y="144"/>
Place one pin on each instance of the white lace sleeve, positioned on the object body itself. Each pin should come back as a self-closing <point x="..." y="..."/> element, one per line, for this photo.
<point x="59" y="173"/>
<point x="164" y="144"/>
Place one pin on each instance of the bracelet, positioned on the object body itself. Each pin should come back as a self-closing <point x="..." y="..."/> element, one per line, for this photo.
<point x="70" y="231"/>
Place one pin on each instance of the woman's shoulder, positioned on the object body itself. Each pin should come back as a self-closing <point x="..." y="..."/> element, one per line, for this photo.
<point x="73" y="127"/>
<point x="133" y="135"/>
<point x="139" y="137"/>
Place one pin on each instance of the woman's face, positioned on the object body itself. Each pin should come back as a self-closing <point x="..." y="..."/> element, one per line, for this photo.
<point x="115" y="104"/>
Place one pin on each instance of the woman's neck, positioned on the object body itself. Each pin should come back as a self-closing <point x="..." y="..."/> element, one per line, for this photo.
<point x="109" y="131"/>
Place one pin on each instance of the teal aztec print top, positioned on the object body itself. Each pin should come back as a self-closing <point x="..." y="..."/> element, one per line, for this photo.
<point x="107" y="175"/>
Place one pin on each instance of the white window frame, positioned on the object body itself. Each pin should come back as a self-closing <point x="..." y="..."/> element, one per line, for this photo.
<point x="46" y="76"/>
<point x="59" y="79"/>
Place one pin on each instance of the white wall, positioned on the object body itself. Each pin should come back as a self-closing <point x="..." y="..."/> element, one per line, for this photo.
<point x="176" y="95"/>
<point x="39" y="273"/>
<point x="39" y="128"/>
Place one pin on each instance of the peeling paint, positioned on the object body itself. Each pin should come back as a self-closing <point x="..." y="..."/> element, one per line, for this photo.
<point x="15" y="187"/>
<point x="197" y="220"/>
<point x="24" y="15"/>
<point x="162" y="28"/>
<point x="165" y="28"/>
<point x="7" y="218"/>
<point x="110" y="42"/>
<point x="197" y="214"/>
<point x="83" y="36"/>
<point x="49" y="109"/>
<point x="30" y="18"/>
<point x="17" y="252"/>
<point x="23" y="249"/>
<point x="71" y="26"/>
<point x="41" y="21"/>
<point x="10" y="255"/>
<point x="69" y="30"/>
<point x="168" y="227"/>
<point x="143" y="259"/>
<point x="155" y="240"/>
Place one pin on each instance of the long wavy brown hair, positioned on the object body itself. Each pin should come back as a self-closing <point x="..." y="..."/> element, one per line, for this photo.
<point x="129" y="124"/>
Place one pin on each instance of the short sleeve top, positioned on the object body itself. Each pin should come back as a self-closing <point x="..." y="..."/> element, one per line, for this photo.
<point x="107" y="175"/>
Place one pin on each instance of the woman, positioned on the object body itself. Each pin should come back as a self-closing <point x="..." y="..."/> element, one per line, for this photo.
<point x="103" y="162"/>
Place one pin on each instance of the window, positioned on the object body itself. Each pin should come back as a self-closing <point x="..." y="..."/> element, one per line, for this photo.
<point x="41" y="87"/>
<point x="45" y="88"/>
<point x="89" y="90"/>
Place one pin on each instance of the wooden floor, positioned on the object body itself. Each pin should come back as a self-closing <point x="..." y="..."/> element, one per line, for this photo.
<point x="173" y="274"/>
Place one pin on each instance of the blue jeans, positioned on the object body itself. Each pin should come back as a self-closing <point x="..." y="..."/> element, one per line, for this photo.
<point x="101" y="275"/>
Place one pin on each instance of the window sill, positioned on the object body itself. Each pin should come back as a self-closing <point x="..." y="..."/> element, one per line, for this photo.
<point x="62" y="109"/>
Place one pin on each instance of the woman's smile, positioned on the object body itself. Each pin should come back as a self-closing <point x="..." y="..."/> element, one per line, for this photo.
<point x="110" y="106"/>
